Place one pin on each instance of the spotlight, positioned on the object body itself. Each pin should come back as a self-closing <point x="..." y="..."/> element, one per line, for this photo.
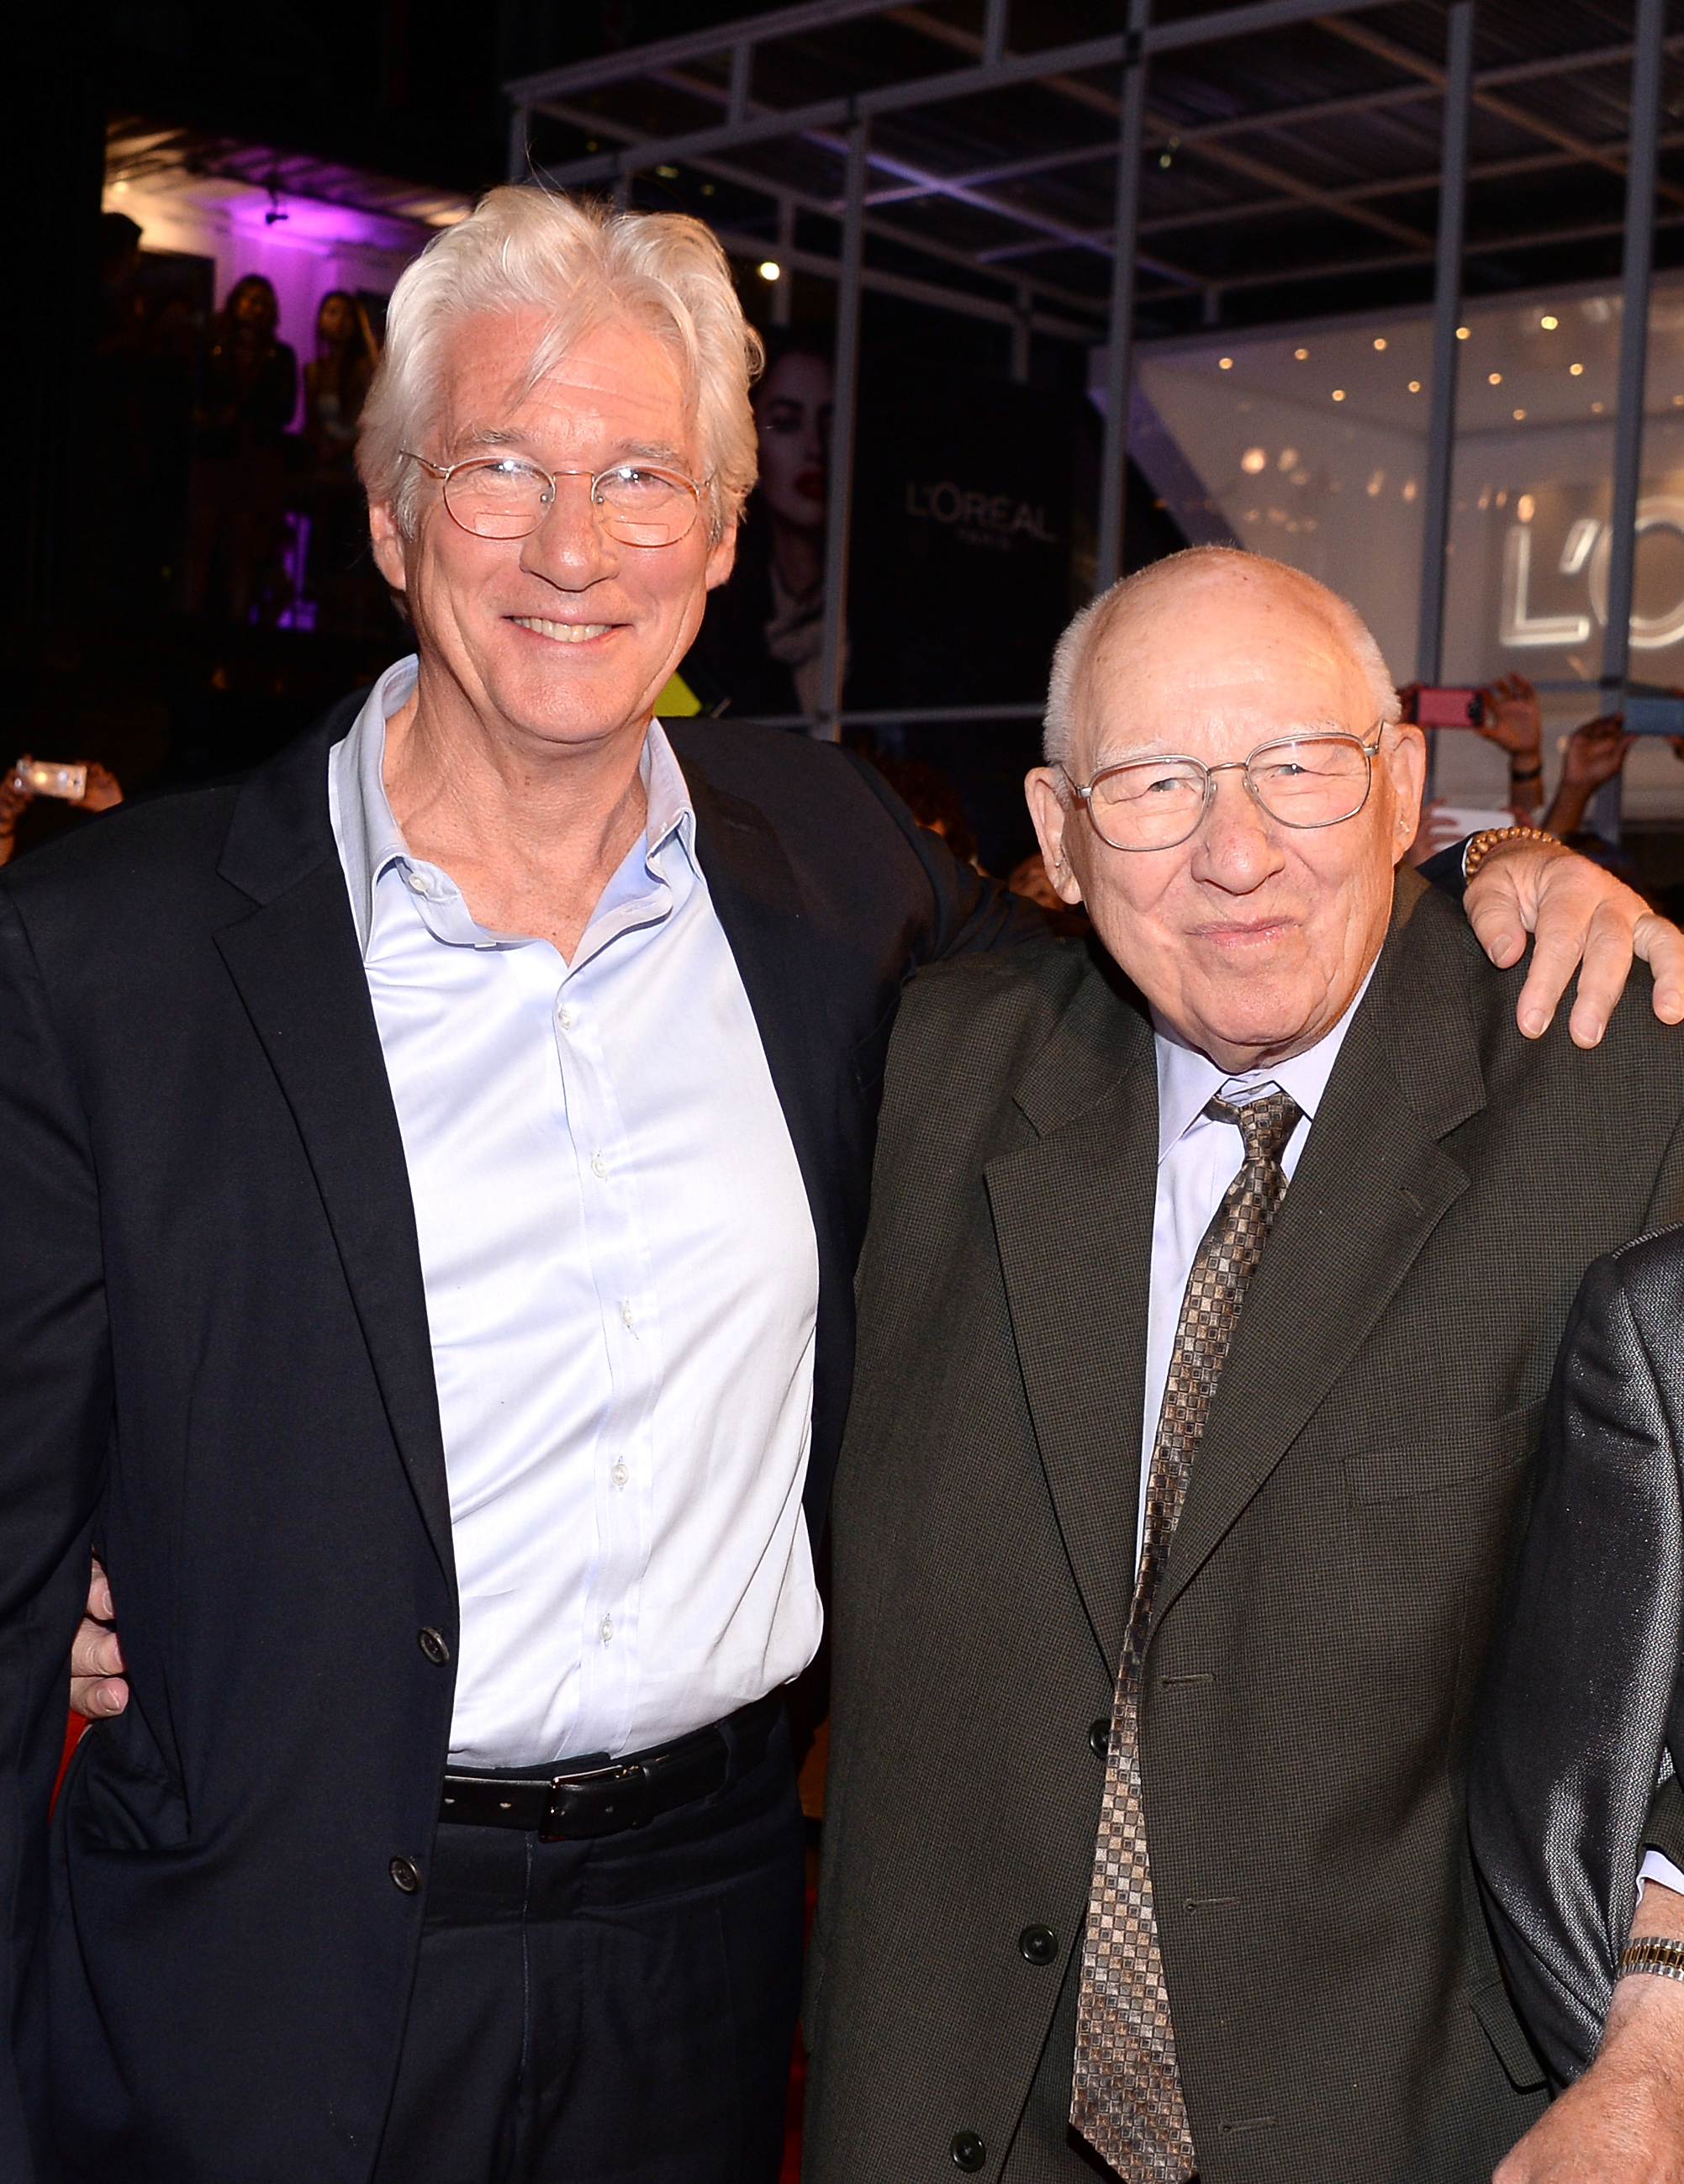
<point x="770" y="269"/>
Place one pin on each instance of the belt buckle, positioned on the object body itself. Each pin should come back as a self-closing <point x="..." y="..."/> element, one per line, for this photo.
<point x="613" y="1798"/>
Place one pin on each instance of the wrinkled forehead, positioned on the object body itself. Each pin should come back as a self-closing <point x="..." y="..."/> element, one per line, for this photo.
<point x="1214" y="667"/>
<point x="528" y="368"/>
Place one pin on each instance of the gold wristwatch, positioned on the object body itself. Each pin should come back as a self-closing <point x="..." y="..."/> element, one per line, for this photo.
<point x="1653" y="1952"/>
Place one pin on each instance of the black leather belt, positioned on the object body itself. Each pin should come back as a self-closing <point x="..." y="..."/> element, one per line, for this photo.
<point x="577" y="1803"/>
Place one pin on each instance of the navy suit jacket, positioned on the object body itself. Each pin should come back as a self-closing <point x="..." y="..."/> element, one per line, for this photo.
<point x="217" y="1371"/>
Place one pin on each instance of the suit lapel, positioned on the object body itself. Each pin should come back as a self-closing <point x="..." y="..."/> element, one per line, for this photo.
<point x="1373" y="1184"/>
<point x="790" y="978"/>
<point x="295" y="962"/>
<point x="1073" y="1218"/>
<point x="760" y="905"/>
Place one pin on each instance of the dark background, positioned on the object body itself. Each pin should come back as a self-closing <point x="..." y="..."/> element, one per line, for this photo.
<point x="95" y="662"/>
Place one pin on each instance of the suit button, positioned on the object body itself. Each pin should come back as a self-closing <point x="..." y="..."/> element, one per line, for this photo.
<point x="405" y="1875"/>
<point x="1099" y="1740"/>
<point x="435" y="1645"/>
<point x="1038" y="1945"/>
<point x="968" y="2151"/>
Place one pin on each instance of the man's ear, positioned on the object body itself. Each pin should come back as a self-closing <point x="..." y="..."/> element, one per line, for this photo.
<point x="388" y="542"/>
<point x="1403" y="754"/>
<point x="1042" y="786"/>
<point x="722" y="557"/>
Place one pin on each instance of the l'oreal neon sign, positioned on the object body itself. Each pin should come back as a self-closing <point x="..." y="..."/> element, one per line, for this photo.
<point x="1584" y="553"/>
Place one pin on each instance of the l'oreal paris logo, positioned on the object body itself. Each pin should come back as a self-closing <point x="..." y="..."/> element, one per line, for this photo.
<point x="993" y="519"/>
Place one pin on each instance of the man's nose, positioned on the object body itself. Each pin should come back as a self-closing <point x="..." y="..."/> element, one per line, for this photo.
<point x="1232" y="846"/>
<point x="570" y="546"/>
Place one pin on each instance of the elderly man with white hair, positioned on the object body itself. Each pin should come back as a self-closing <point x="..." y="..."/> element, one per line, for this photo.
<point x="1207" y="1308"/>
<point x="434" y="1172"/>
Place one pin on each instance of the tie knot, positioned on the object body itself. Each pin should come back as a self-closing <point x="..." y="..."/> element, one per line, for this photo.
<point x="1265" y="1124"/>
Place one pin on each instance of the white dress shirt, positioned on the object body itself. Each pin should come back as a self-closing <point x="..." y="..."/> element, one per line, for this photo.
<point x="1197" y="1159"/>
<point x="622" y="1283"/>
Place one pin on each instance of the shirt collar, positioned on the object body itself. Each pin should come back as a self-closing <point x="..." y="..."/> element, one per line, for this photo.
<point x="1187" y="1079"/>
<point x="369" y="837"/>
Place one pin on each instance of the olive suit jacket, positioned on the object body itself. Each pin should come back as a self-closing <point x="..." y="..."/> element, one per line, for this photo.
<point x="1318" y="1638"/>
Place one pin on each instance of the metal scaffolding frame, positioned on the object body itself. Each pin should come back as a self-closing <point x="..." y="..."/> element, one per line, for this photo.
<point x="718" y="69"/>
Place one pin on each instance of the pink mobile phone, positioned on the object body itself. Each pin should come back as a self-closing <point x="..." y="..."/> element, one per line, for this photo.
<point x="1438" y="706"/>
<point x="46" y="777"/>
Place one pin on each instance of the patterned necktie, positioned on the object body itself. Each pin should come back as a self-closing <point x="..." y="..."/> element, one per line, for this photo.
<point x="1126" y="2100"/>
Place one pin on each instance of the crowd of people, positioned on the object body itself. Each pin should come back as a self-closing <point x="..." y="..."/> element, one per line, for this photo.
<point x="244" y="501"/>
<point x="1511" y="718"/>
<point x="501" y="1197"/>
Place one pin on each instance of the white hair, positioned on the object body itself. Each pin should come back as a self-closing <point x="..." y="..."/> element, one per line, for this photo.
<point x="1067" y="690"/>
<point x="524" y="248"/>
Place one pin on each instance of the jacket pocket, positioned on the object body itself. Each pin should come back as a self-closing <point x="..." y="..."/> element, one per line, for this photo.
<point x="1491" y="2005"/>
<point x="1480" y="1452"/>
<point x="119" y="1796"/>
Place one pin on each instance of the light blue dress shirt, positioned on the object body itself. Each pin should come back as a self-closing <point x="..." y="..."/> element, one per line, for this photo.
<point x="621" y="1281"/>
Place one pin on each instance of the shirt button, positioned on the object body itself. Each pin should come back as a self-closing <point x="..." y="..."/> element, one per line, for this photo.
<point x="405" y="1875"/>
<point x="605" y="1630"/>
<point x="598" y="1166"/>
<point x="565" y="1018"/>
<point x="418" y="881"/>
<point x="619" y="1474"/>
<point x="626" y="1313"/>
<point x="435" y="1645"/>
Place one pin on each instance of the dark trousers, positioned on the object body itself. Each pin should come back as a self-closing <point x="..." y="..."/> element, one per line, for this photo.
<point x="616" y="2012"/>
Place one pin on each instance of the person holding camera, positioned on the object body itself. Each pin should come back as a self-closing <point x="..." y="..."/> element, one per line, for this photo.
<point x="100" y="790"/>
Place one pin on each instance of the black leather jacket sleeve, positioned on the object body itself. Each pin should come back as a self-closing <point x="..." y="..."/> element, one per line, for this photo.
<point x="1581" y="1700"/>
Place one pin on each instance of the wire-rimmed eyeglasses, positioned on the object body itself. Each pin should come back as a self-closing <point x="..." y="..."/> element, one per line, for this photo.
<point x="509" y="496"/>
<point x="1316" y="779"/>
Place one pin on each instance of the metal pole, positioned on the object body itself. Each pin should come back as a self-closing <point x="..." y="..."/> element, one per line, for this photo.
<point x="519" y="141"/>
<point x="844" y="398"/>
<point x="994" y="30"/>
<point x="783" y="290"/>
<point x="1634" y="348"/>
<point x="1120" y="374"/>
<point x="742" y="72"/>
<point x="1452" y="199"/>
<point x="1021" y="328"/>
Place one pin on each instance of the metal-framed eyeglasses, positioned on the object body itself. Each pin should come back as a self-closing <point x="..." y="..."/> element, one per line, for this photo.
<point x="1315" y="779"/>
<point x="509" y="496"/>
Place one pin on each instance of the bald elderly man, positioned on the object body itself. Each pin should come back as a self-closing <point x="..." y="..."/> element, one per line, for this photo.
<point x="1206" y="1311"/>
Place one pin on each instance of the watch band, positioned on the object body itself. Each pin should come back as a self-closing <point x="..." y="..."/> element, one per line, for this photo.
<point x="1483" y="843"/>
<point x="1653" y="1952"/>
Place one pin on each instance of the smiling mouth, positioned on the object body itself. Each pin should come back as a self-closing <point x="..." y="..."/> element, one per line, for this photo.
<point x="564" y="632"/>
<point x="1266" y="928"/>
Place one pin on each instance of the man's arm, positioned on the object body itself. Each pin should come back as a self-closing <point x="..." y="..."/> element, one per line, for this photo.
<point x="55" y="1417"/>
<point x="1623" y="2122"/>
<point x="970" y="911"/>
<point x="1581" y="1693"/>
<point x="1584" y="921"/>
